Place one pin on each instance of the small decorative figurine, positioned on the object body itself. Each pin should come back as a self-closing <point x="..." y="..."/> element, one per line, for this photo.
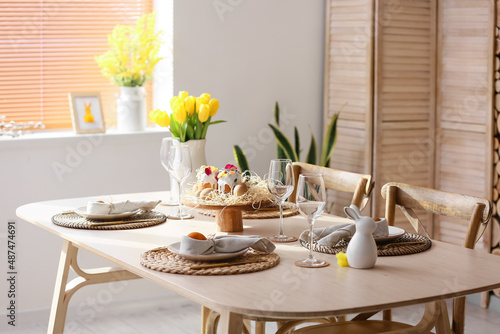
<point x="362" y="249"/>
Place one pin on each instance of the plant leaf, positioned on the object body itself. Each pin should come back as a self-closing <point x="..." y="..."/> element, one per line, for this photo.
<point x="216" y="122"/>
<point x="277" y="114"/>
<point x="312" y="156"/>
<point x="329" y="140"/>
<point x="280" y="154"/>
<point x="174" y="127"/>
<point x="284" y="143"/>
<point x="240" y="158"/>
<point x="297" y="143"/>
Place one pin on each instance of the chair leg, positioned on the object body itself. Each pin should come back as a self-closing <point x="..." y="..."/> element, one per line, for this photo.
<point x="458" y="325"/>
<point x="387" y="315"/>
<point x="485" y="299"/>
<point x="260" y="327"/>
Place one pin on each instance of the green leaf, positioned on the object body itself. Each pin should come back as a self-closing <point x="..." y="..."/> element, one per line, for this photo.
<point x="189" y="131"/>
<point x="284" y="143"/>
<point x="277" y="114"/>
<point x="197" y="133"/>
<point x="174" y="127"/>
<point x="216" y="122"/>
<point x="329" y="140"/>
<point x="280" y="154"/>
<point x="297" y="143"/>
<point x="312" y="157"/>
<point x="241" y="159"/>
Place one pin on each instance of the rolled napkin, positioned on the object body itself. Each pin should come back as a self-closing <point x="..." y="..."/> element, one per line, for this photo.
<point x="106" y="208"/>
<point x="331" y="235"/>
<point x="225" y="244"/>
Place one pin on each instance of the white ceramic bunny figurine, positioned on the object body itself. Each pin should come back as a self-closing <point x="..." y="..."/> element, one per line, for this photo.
<point x="362" y="250"/>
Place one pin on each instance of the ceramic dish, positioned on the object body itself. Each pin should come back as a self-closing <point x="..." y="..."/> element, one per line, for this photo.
<point x="394" y="233"/>
<point x="175" y="248"/>
<point x="83" y="212"/>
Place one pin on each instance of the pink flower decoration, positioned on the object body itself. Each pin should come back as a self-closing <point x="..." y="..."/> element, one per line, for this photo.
<point x="229" y="166"/>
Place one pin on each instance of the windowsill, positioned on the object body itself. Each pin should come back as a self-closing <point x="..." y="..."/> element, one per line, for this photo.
<point x="49" y="137"/>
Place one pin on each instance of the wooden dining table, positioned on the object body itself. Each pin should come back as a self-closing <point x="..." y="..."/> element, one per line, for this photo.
<point x="285" y="291"/>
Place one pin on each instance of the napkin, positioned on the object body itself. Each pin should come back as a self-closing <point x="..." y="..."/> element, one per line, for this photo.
<point x="105" y="208"/>
<point x="331" y="235"/>
<point x="225" y="244"/>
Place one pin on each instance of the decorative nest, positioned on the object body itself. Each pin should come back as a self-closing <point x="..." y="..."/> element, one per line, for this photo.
<point x="257" y="195"/>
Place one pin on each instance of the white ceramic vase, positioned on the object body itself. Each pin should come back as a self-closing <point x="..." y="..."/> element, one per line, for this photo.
<point x="131" y="109"/>
<point x="198" y="157"/>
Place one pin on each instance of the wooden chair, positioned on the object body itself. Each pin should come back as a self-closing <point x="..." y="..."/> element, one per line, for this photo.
<point x="360" y="185"/>
<point x="407" y="197"/>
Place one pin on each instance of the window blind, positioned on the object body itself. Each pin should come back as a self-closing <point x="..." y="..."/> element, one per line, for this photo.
<point x="47" y="50"/>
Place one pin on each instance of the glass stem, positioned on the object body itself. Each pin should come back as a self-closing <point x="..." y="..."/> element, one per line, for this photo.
<point x="281" y="234"/>
<point x="311" y="255"/>
<point x="180" y="202"/>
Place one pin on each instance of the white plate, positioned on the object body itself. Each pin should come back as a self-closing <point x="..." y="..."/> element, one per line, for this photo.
<point x="83" y="212"/>
<point x="394" y="232"/>
<point x="175" y="248"/>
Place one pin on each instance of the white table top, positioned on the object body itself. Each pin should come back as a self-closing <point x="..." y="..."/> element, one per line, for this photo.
<point x="285" y="290"/>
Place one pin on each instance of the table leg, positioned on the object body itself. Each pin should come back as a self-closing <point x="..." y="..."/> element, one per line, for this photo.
<point x="64" y="290"/>
<point x="231" y="323"/>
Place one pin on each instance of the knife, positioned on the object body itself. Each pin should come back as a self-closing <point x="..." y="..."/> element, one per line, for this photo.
<point x="121" y="222"/>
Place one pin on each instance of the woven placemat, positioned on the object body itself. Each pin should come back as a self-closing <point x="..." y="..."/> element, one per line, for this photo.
<point x="264" y="213"/>
<point x="162" y="259"/>
<point x="74" y="220"/>
<point x="390" y="251"/>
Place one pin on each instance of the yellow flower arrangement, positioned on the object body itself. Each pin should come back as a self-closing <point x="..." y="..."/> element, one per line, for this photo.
<point x="190" y="118"/>
<point x="133" y="54"/>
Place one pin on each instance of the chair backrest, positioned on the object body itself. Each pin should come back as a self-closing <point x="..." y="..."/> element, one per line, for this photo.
<point x="477" y="211"/>
<point x="360" y="185"/>
<point x="407" y="197"/>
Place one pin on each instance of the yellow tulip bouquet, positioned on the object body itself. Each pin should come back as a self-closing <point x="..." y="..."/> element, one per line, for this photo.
<point x="191" y="116"/>
<point x="133" y="54"/>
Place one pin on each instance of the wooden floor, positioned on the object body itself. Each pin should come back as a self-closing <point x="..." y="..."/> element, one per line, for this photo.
<point x="181" y="316"/>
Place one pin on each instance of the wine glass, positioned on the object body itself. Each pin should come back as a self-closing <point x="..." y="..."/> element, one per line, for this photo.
<point x="179" y="166"/>
<point x="280" y="182"/>
<point x="311" y="202"/>
<point x="166" y="146"/>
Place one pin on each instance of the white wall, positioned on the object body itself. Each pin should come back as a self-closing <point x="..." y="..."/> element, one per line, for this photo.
<point x="247" y="54"/>
<point x="250" y="54"/>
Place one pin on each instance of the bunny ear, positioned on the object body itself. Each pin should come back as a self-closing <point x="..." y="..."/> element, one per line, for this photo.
<point x="351" y="213"/>
<point x="356" y="209"/>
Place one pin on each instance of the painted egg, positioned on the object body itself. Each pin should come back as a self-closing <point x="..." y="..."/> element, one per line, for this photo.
<point x="240" y="189"/>
<point x="205" y="192"/>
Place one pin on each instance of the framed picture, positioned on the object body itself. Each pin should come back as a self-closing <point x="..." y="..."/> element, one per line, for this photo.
<point x="86" y="112"/>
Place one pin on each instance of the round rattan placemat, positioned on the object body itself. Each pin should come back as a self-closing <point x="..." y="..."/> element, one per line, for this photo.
<point x="162" y="259"/>
<point x="74" y="220"/>
<point x="390" y="251"/>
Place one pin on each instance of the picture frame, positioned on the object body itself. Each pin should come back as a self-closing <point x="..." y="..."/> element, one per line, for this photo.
<point x="86" y="112"/>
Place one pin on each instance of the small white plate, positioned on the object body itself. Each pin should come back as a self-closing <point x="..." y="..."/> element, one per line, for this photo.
<point x="175" y="248"/>
<point x="394" y="232"/>
<point x="83" y="212"/>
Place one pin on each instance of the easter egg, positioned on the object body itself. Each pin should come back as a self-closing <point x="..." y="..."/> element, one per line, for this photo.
<point x="204" y="193"/>
<point x="240" y="189"/>
<point x="197" y="236"/>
